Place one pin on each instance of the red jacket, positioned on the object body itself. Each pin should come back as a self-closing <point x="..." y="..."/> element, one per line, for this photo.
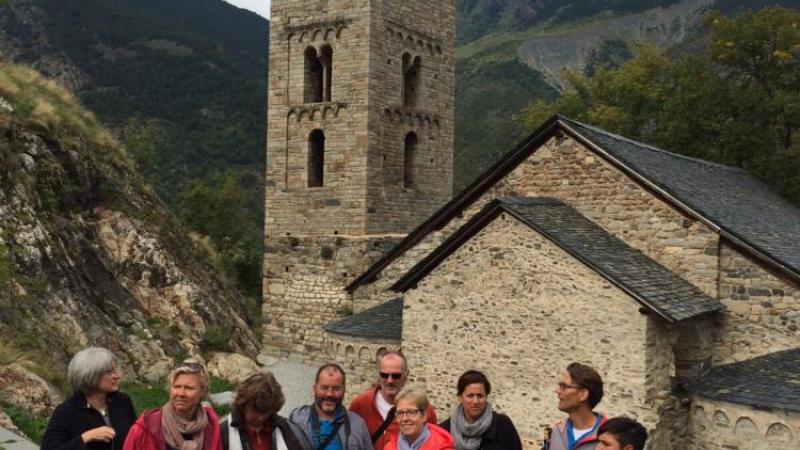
<point x="146" y="433"/>
<point x="364" y="406"/>
<point x="439" y="440"/>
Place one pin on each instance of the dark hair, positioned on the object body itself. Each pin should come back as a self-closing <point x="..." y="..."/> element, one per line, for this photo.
<point x="260" y="391"/>
<point x="333" y="366"/>
<point x="627" y="431"/>
<point x="472" y="377"/>
<point x="587" y="378"/>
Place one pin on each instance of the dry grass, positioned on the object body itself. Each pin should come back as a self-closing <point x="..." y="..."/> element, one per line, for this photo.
<point x="44" y="105"/>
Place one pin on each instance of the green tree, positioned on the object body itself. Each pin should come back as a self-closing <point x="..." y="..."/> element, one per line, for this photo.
<point x="738" y="105"/>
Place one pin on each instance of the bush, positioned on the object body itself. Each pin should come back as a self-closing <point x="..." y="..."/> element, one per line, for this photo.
<point x="216" y="338"/>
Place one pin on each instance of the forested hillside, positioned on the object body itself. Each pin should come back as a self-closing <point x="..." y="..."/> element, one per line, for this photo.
<point x="182" y="83"/>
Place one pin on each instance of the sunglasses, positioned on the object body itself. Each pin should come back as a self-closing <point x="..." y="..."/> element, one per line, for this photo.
<point x="190" y="367"/>
<point x="393" y="376"/>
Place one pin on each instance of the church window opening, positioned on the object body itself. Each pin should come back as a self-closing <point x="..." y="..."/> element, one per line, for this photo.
<point x="411" y="80"/>
<point x="316" y="158"/>
<point x="409" y="159"/>
<point x="313" y="83"/>
<point x="326" y="60"/>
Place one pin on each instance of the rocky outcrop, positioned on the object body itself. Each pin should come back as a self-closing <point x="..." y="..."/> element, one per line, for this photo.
<point x="88" y="254"/>
<point x="27" y="390"/>
<point x="232" y="366"/>
<point x="551" y="52"/>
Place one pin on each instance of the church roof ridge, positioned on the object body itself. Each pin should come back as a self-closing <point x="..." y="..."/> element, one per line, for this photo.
<point x="727" y="199"/>
<point x="648" y="282"/>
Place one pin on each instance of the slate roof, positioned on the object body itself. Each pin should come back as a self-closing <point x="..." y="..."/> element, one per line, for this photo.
<point x="770" y="381"/>
<point x="651" y="284"/>
<point x="384" y="322"/>
<point x="728" y="197"/>
<point x="729" y="200"/>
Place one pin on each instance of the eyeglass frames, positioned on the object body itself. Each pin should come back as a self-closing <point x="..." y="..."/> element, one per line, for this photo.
<point x="394" y="376"/>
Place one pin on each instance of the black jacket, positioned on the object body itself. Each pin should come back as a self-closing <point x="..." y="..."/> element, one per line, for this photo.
<point x="501" y="434"/>
<point x="73" y="417"/>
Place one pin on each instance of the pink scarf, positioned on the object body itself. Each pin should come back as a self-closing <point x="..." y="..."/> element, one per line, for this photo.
<point x="175" y="427"/>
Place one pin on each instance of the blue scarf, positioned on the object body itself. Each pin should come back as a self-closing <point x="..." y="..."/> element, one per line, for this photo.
<point x="402" y="443"/>
<point x="571" y="441"/>
<point x="317" y="436"/>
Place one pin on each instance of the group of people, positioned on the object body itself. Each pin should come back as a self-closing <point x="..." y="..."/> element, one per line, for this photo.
<point x="390" y="416"/>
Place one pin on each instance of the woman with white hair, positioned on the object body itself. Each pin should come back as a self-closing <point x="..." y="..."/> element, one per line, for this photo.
<point x="183" y="423"/>
<point x="97" y="416"/>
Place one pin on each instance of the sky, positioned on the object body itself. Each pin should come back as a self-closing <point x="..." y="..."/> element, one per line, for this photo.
<point x="260" y="7"/>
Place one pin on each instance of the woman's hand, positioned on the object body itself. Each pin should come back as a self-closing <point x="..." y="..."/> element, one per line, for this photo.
<point x="101" y="434"/>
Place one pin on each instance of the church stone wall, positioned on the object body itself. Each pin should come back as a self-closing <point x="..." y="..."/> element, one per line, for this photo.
<point x="516" y="306"/>
<point x="358" y="357"/>
<point x="763" y="309"/>
<point x="565" y="169"/>
<point x="303" y="290"/>
<point x="718" y="425"/>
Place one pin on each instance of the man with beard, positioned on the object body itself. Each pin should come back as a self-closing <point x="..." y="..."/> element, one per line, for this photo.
<point x="376" y="405"/>
<point x="327" y="425"/>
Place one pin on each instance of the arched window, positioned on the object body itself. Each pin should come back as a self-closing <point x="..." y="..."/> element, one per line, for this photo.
<point x="316" y="158"/>
<point x="312" y="86"/>
<point x="411" y="80"/>
<point x="326" y="60"/>
<point x="409" y="159"/>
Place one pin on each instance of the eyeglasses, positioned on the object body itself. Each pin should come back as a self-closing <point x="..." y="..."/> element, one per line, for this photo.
<point x="407" y="412"/>
<point x="564" y="386"/>
<point x="190" y="367"/>
<point x="394" y="376"/>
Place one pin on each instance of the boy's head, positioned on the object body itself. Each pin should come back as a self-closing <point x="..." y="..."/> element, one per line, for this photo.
<point x="621" y="433"/>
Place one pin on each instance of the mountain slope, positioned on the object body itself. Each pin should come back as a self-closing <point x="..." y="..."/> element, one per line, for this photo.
<point x="158" y="68"/>
<point x="88" y="253"/>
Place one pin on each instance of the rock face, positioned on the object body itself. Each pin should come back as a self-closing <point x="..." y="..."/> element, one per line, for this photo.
<point x="232" y="366"/>
<point x="88" y="253"/>
<point x="27" y="390"/>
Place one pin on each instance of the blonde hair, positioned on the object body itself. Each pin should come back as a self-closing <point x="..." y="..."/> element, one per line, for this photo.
<point x="189" y="366"/>
<point x="415" y="395"/>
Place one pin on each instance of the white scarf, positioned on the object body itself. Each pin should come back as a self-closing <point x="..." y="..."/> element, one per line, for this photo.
<point x="235" y="442"/>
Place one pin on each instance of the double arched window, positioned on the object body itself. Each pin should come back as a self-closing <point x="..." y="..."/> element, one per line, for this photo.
<point x="318" y="74"/>
<point x="316" y="158"/>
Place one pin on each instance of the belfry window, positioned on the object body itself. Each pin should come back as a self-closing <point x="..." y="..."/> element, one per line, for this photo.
<point x="411" y="80"/>
<point x="409" y="159"/>
<point x="316" y="158"/>
<point x="318" y="74"/>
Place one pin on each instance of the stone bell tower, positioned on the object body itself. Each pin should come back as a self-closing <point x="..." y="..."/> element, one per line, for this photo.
<point x="359" y="150"/>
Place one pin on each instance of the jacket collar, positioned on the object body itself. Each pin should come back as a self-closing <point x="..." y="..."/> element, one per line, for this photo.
<point x="78" y="399"/>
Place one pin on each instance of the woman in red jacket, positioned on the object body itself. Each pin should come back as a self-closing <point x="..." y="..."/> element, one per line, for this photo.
<point x="415" y="432"/>
<point x="183" y="423"/>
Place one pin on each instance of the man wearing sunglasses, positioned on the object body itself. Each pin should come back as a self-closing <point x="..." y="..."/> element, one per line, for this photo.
<point x="376" y="405"/>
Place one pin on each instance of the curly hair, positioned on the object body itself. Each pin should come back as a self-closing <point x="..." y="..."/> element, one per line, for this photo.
<point x="261" y="392"/>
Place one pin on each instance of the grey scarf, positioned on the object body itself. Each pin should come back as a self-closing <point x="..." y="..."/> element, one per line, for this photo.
<point x="403" y="444"/>
<point x="467" y="436"/>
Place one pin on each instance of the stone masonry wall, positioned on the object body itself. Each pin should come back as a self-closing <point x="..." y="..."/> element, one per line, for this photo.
<point x="319" y="238"/>
<point x="337" y="207"/>
<point x="566" y="170"/>
<point x="763" y="309"/>
<point x="718" y="425"/>
<point x="516" y="306"/>
<point x="358" y="357"/>
<point x="303" y="280"/>
<point x="425" y="30"/>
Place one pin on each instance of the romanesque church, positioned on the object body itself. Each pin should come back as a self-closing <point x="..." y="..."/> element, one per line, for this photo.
<point x="677" y="278"/>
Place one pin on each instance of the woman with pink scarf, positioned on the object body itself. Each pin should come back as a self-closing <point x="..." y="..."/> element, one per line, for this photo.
<point x="183" y="423"/>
